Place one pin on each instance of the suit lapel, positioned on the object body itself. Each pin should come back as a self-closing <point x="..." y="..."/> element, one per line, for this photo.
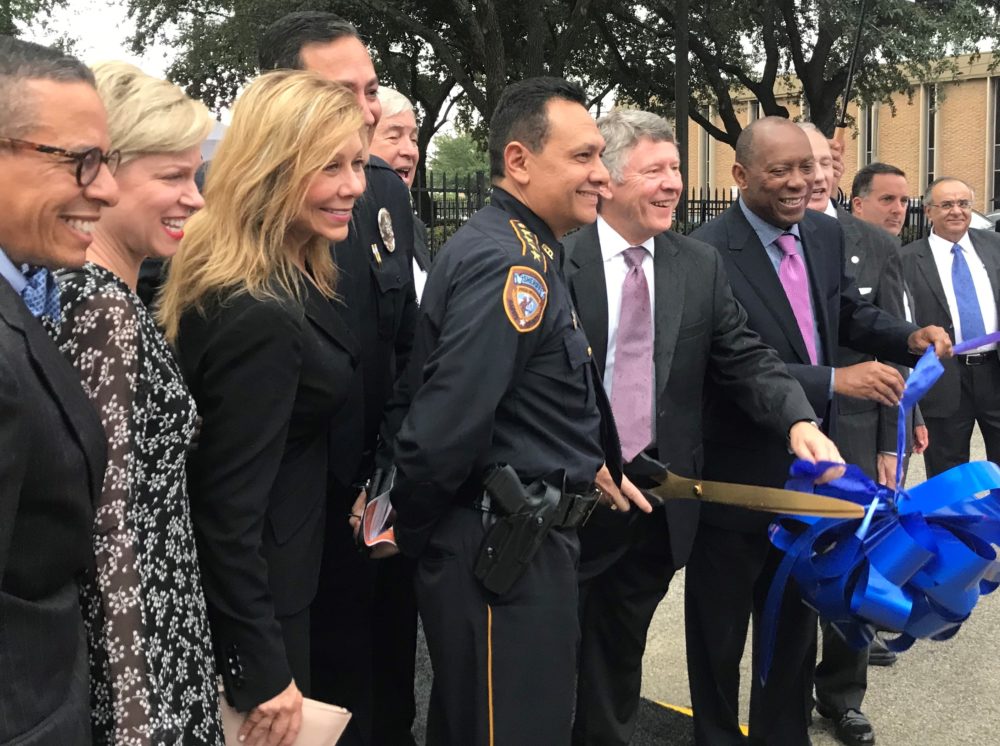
<point x="590" y="291"/>
<point x="928" y="268"/>
<point x="321" y="313"/>
<point x="61" y="380"/>
<point x="669" y="281"/>
<point x="753" y="262"/>
<point x="814" y="257"/>
<point x="991" y="259"/>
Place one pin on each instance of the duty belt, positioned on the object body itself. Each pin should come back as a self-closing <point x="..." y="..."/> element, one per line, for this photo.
<point x="572" y="512"/>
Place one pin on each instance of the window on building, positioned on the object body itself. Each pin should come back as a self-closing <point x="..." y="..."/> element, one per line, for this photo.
<point x="996" y="143"/>
<point x="931" y="128"/>
<point x="869" y="131"/>
<point x="754" y="107"/>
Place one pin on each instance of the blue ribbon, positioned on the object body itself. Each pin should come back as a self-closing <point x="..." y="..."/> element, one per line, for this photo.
<point x="916" y="564"/>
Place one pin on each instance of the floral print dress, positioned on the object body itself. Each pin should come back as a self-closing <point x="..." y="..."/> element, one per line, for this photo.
<point x="152" y="670"/>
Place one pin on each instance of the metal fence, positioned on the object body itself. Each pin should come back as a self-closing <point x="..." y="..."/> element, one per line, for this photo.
<point x="445" y="202"/>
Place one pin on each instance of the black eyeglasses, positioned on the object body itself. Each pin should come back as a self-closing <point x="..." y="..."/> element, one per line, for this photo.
<point x="88" y="162"/>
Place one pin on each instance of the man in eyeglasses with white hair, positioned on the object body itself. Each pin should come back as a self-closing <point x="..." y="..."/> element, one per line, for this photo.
<point x="954" y="276"/>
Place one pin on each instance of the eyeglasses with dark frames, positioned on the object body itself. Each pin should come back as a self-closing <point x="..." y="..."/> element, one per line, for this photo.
<point x="88" y="162"/>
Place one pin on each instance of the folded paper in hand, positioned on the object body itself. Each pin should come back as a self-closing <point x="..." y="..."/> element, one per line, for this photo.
<point x="376" y="522"/>
<point x="322" y="724"/>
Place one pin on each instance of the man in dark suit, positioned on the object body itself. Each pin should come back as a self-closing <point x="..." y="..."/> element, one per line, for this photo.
<point x="379" y="305"/>
<point x="954" y="277"/>
<point x="696" y="330"/>
<point x="53" y="184"/>
<point x="786" y="269"/>
<point x="866" y="432"/>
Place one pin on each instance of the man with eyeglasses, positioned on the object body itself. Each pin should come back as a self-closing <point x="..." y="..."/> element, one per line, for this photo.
<point x="954" y="276"/>
<point x="55" y="177"/>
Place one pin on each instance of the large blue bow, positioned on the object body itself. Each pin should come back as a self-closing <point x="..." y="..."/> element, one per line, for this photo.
<point x="916" y="564"/>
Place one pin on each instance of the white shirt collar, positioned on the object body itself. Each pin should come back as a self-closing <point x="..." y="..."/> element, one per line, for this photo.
<point x="612" y="243"/>
<point x="943" y="245"/>
<point x="831" y="210"/>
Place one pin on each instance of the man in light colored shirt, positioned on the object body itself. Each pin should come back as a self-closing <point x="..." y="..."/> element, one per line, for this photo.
<point x="954" y="276"/>
<point x="663" y="323"/>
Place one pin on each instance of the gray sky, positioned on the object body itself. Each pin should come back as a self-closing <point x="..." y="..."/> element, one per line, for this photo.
<point x="98" y="29"/>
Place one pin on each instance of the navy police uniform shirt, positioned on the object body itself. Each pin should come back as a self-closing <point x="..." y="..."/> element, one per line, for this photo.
<point x="378" y="302"/>
<point x="505" y="371"/>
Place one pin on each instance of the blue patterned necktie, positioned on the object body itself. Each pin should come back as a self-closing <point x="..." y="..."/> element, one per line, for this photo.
<point x="41" y="293"/>
<point x="970" y="315"/>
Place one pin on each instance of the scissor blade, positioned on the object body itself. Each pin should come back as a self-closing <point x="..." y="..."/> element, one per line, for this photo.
<point x="767" y="499"/>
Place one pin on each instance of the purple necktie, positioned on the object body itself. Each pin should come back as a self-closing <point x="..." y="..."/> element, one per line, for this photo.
<point x="632" y="377"/>
<point x="795" y="281"/>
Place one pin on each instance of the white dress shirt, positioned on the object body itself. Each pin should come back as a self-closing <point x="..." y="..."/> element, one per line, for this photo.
<point x="943" y="258"/>
<point x="615" y="269"/>
<point x="419" y="280"/>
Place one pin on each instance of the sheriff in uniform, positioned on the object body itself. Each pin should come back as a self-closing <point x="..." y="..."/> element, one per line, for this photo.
<point x="506" y="378"/>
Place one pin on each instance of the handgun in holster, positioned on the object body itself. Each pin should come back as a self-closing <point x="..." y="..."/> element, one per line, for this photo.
<point x="525" y="516"/>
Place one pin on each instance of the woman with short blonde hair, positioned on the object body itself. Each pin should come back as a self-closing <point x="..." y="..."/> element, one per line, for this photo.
<point x="152" y="669"/>
<point x="249" y="306"/>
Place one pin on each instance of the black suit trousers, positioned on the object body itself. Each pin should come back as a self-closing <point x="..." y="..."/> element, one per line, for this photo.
<point x="727" y="580"/>
<point x="395" y="650"/>
<point x="341" y="624"/>
<point x="504" y="665"/>
<point x="616" y="608"/>
<point x="979" y="402"/>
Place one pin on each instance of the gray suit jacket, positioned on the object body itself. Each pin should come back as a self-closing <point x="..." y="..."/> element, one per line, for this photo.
<point x="52" y="458"/>
<point x="931" y="307"/>
<point x="700" y="334"/>
<point x="871" y="259"/>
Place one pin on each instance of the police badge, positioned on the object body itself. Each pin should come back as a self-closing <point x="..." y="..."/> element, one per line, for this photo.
<point x="385" y="228"/>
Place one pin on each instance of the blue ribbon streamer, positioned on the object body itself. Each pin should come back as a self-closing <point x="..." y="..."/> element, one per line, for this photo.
<point x="916" y="564"/>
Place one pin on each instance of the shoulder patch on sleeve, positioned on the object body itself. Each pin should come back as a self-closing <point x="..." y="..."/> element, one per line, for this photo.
<point x="524" y="298"/>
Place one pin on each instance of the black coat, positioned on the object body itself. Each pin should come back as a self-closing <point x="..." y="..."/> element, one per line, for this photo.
<point x="268" y="376"/>
<point x="737" y="448"/>
<point x="52" y="458"/>
<point x="700" y="333"/>
<point x="379" y="307"/>
<point x="931" y="307"/>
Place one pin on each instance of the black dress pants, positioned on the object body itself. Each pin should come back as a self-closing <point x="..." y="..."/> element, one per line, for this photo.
<point x="616" y="608"/>
<point x="979" y="402"/>
<point x="841" y="677"/>
<point x="726" y="581"/>
<point x="341" y="625"/>
<point x="394" y="655"/>
<point x="504" y="665"/>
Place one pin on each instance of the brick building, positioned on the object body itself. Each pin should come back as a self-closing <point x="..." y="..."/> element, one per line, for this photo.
<point x="949" y="127"/>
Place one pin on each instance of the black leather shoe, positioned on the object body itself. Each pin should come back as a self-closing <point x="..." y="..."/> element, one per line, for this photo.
<point x="879" y="654"/>
<point x="852" y="727"/>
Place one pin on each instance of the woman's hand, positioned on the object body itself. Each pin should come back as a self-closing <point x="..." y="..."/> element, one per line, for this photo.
<point x="275" y="722"/>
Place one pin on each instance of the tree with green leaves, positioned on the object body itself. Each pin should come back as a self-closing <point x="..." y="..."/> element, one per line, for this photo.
<point x="458" y="155"/>
<point x="755" y="46"/>
<point x="14" y="14"/>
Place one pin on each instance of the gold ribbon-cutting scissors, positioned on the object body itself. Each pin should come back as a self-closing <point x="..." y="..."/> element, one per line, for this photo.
<point x="657" y="482"/>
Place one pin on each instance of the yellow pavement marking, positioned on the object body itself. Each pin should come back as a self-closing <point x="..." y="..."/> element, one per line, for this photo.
<point x="689" y="712"/>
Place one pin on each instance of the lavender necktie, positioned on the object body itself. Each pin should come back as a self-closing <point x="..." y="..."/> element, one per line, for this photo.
<point x="795" y="281"/>
<point x="632" y="377"/>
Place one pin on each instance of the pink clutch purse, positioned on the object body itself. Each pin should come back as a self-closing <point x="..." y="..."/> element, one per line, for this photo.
<point x="322" y="724"/>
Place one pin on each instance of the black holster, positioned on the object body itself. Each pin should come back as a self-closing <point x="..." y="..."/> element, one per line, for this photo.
<point x="525" y="516"/>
